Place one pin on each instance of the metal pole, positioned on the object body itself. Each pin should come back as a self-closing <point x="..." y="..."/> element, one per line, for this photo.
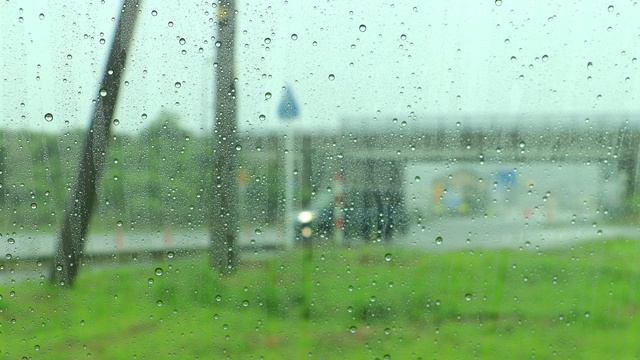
<point x="223" y="226"/>
<point x="70" y="248"/>
<point x="290" y="185"/>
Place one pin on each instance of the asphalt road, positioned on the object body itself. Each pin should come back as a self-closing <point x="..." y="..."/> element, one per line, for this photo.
<point x="492" y="233"/>
<point x="445" y="234"/>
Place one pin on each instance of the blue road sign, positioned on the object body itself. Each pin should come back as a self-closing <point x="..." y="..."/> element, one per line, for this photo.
<point x="288" y="107"/>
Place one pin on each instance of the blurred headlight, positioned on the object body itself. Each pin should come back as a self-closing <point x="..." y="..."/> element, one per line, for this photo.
<point x="305" y="216"/>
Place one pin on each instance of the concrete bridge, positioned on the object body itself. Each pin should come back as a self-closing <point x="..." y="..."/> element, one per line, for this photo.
<point x="374" y="151"/>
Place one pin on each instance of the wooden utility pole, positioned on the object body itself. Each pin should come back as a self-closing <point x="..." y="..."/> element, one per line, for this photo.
<point x="223" y="226"/>
<point x="70" y="248"/>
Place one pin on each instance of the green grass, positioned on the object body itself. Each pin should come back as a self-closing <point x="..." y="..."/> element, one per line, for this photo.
<point x="578" y="303"/>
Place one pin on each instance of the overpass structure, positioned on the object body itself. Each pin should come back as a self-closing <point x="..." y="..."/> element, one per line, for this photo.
<point x="375" y="152"/>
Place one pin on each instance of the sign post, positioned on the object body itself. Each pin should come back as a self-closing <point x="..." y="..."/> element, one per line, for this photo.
<point x="287" y="111"/>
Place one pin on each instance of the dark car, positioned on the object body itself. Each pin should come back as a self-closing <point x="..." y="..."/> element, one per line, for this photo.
<point x="369" y="215"/>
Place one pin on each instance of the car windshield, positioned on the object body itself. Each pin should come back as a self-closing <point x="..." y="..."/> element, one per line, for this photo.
<point x="333" y="180"/>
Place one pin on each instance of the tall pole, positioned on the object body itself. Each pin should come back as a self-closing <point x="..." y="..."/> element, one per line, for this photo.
<point x="290" y="186"/>
<point x="223" y="226"/>
<point x="70" y="248"/>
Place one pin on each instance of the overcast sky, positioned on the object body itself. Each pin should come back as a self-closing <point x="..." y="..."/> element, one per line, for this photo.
<point x="414" y="58"/>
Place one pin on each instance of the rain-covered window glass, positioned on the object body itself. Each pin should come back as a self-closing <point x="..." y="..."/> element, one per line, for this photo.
<point x="319" y="179"/>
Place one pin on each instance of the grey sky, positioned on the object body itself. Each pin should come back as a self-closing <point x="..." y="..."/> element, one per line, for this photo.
<point x="456" y="57"/>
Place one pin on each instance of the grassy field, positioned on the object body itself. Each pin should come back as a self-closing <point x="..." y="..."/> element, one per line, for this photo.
<point x="366" y="302"/>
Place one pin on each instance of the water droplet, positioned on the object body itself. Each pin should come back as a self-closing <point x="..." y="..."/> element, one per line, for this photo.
<point x="267" y="40"/>
<point x="363" y="28"/>
<point x="589" y="65"/>
<point x="545" y="58"/>
<point x="48" y="116"/>
<point x="521" y="144"/>
<point x="159" y="302"/>
<point x="403" y="37"/>
<point x="245" y="303"/>
<point x="238" y="147"/>
<point x="182" y="41"/>
<point x="417" y="179"/>
<point x="116" y="122"/>
<point x="610" y="8"/>
<point x="332" y="77"/>
<point x="267" y="95"/>
<point x="41" y="16"/>
<point x="11" y="241"/>
<point x="178" y="84"/>
<point x="467" y="297"/>
<point x="170" y="254"/>
<point x="387" y="257"/>
<point x="170" y="23"/>
<point x="258" y="231"/>
<point x="218" y="298"/>
<point x="103" y="92"/>
<point x="513" y="59"/>
<point x="59" y="267"/>
<point x="154" y="13"/>
<point x="439" y="240"/>
<point x="353" y="329"/>
<point x="119" y="223"/>
<point x="498" y="2"/>
<point x="150" y="280"/>
<point x="294" y="37"/>
<point x="34" y="206"/>
<point x="158" y="271"/>
<point x="262" y="117"/>
<point x="143" y="116"/>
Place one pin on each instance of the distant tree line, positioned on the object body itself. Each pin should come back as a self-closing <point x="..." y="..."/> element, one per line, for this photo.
<point x="158" y="177"/>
